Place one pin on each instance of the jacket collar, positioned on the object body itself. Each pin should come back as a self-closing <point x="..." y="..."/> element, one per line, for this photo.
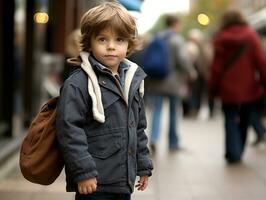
<point x="122" y="69"/>
<point x="133" y="80"/>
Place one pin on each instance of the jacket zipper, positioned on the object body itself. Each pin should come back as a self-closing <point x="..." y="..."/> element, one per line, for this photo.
<point x="120" y="88"/>
<point x="118" y="85"/>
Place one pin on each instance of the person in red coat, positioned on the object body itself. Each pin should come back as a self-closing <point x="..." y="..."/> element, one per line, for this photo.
<point x="236" y="74"/>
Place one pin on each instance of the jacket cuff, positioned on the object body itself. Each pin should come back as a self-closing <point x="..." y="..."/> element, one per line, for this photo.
<point x="144" y="173"/>
<point x="144" y="167"/>
<point x="84" y="176"/>
<point x="83" y="168"/>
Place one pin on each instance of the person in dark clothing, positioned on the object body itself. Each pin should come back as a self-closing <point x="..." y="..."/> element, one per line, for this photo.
<point x="233" y="77"/>
<point x="100" y="115"/>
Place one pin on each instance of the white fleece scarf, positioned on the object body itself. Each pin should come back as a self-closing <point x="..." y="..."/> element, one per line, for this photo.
<point x="94" y="88"/>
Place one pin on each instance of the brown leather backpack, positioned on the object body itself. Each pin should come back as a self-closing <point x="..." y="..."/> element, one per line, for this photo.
<point x="40" y="159"/>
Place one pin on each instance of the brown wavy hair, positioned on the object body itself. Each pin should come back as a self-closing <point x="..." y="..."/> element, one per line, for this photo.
<point x="108" y="15"/>
<point x="232" y="17"/>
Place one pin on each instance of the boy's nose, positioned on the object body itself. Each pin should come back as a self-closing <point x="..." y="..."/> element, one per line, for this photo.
<point x="111" y="45"/>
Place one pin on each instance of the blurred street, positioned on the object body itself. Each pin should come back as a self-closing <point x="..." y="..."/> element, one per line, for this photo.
<point x="196" y="172"/>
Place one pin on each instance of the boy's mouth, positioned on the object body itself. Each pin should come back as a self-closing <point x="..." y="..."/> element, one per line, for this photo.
<point x="110" y="56"/>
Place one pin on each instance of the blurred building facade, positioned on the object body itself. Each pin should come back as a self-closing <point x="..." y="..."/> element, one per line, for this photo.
<point x="256" y="10"/>
<point x="252" y="6"/>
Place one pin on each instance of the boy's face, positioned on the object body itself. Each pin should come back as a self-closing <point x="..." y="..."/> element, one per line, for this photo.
<point x="109" y="48"/>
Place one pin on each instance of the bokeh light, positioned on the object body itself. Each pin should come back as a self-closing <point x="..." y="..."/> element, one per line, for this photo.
<point x="203" y="19"/>
<point x="41" y="18"/>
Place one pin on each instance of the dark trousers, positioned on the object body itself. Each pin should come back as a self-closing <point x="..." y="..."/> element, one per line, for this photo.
<point x="103" y="196"/>
<point x="237" y="119"/>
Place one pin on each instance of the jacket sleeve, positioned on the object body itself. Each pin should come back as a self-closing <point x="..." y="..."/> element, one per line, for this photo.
<point x="72" y="140"/>
<point x="144" y="162"/>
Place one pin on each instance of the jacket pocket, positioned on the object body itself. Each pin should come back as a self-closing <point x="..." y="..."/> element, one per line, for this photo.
<point x="106" y="150"/>
<point x="108" y="98"/>
<point x="104" y="144"/>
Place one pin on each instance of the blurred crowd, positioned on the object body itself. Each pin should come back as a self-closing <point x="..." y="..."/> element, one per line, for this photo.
<point x="224" y="72"/>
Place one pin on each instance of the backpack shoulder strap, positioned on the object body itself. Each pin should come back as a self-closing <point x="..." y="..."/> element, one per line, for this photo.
<point x="236" y="55"/>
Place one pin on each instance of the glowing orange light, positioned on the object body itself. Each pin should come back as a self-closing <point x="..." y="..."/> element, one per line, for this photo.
<point x="41" y="18"/>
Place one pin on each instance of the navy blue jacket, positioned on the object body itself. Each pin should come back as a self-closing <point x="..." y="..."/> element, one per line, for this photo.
<point x="115" y="151"/>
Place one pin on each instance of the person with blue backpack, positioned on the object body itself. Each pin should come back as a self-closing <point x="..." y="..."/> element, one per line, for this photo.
<point x="166" y="63"/>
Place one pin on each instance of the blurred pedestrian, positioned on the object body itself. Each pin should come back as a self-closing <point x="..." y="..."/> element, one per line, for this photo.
<point x="137" y="57"/>
<point x="100" y="115"/>
<point x="198" y="48"/>
<point x="171" y="86"/>
<point x="237" y="62"/>
<point x="72" y="51"/>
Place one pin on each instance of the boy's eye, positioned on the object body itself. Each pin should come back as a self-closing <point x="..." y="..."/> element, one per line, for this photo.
<point x="101" y="39"/>
<point x="120" y="39"/>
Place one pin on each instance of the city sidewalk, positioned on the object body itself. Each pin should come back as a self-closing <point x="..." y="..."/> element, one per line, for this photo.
<point x="197" y="172"/>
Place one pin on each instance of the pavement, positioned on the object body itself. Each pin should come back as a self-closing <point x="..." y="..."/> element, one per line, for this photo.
<point x="197" y="172"/>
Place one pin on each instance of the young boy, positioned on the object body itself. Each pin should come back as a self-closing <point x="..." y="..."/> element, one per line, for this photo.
<point x="101" y="117"/>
